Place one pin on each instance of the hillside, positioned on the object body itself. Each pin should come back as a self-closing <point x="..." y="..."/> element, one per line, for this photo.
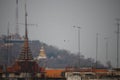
<point x="56" y="58"/>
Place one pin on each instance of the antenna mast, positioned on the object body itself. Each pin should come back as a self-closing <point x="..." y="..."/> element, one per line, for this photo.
<point x="118" y="24"/>
<point x="8" y="31"/>
<point x="17" y="27"/>
<point x="106" y="38"/>
<point x="78" y="44"/>
<point x="96" y="48"/>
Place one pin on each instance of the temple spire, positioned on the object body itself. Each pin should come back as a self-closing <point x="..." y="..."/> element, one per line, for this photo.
<point x="26" y="53"/>
<point x="26" y="32"/>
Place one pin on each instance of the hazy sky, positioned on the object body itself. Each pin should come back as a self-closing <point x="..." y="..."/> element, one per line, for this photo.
<point x="55" y="19"/>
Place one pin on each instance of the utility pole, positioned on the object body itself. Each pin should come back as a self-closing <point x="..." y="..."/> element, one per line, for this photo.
<point x="7" y="63"/>
<point x="17" y="27"/>
<point x="96" y="48"/>
<point x="106" y="38"/>
<point x="8" y="31"/>
<point x="118" y="24"/>
<point x="78" y="44"/>
<point x="8" y="42"/>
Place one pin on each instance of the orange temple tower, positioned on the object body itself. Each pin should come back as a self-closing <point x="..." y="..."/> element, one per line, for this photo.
<point x="25" y="66"/>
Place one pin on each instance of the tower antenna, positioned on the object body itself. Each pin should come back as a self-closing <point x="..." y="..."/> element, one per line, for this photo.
<point x="118" y="24"/>
<point x="106" y="38"/>
<point x="78" y="44"/>
<point x="96" y="48"/>
<point x="17" y="27"/>
<point x="8" y="31"/>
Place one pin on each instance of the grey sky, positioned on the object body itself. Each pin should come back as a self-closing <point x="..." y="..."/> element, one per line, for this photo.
<point x="55" y="19"/>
